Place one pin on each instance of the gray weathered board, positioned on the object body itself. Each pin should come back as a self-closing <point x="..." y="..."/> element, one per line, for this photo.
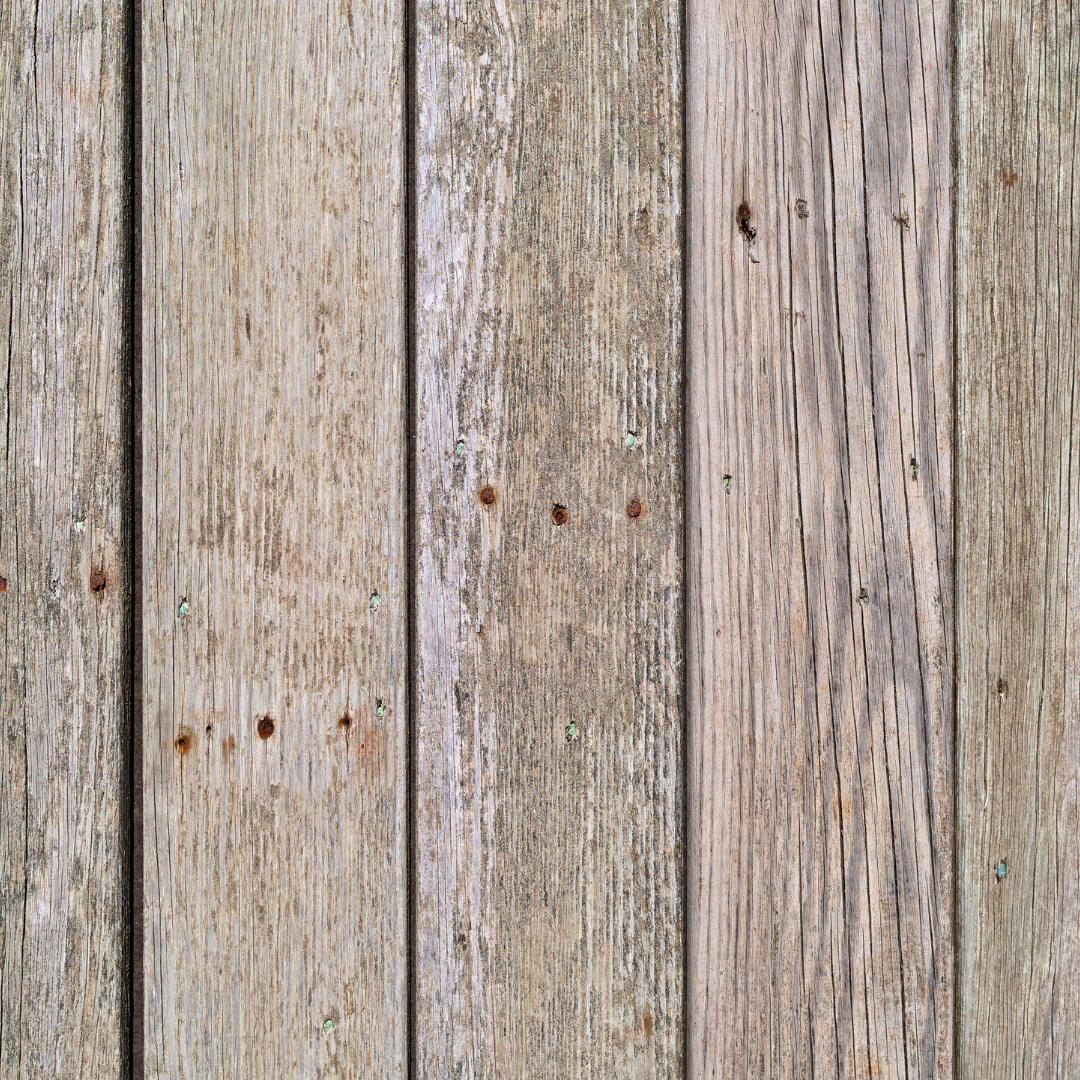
<point x="548" y="725"/>
<point x="274" y="525"/>
<point x="1018" y="565"/>
<point x="819" y="510"/>
<point x="65" y="702"/>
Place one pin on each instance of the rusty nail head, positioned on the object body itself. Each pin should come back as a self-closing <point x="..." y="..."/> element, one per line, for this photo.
<point x="559" y="514"/>
<point x="266" y="727"/>
<point x="3" y="583"/>
<point x="633" y="508"/>
<point x="97" y="581"/>
<point x="487" y="495"/>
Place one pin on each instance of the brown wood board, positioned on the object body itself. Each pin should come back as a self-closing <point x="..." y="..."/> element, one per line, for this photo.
<point x="65" y="581"/>
<point x="820" y="538"/>
<point x="548" y="493"/>
<point x="274" y="526"/>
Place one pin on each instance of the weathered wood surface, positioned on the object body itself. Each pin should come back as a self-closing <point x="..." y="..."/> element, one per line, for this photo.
<point x="274" y="494"/>
<point x="819" y="508"/>
<point x="1018" y="499"/>
<point x="65" y="706"/>
<point x="548" y="689"/>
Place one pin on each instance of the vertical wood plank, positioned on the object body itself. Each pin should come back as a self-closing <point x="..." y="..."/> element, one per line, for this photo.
<point x="65" y="708"/>
<point x="820" y="633"/>
<point x="274" y="528"/>
<point x="549" y="656"/>
<point x="1018" y="351"/>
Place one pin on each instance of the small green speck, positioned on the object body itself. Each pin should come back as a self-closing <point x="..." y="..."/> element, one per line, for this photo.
<point x="1001" y="870"/>
<point x="183" y="609"/>
<point x="376" y="600"/>
<point x="80" y="525"/>
<point x="328" y="1024"/>
<point x="631" y="438"/>
<point x="727" y="480"/>
<point x="863" y="596"/>
<point x="56" y="590"/>
<point x="459" y="447"/>
<point x="571" y="731"/>
<point x="380" y="708"/>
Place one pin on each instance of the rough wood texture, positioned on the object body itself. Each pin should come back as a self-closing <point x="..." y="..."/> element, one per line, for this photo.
<point x="820" y="540"/>
<point x="549" y="657"/>
<point x="1018" y="558"/>
<point x="64" y="491"/>
<point x="274" y="540"/>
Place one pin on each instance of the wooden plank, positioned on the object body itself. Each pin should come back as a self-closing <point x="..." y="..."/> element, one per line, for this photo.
<point x="548" y="693"/>
<point x="1018" y="351"/>
<point x="65" y="490"/>
<point x="275" y="652"/>
<point x="820" y="632"/>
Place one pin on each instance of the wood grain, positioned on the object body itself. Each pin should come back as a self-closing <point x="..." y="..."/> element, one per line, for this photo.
<point x="274" y="495"/>
<point x="548" y="690"/>
<point x="65" y="490"/>
<point x="819" y="507"/>
<point x="1018" y="356"/>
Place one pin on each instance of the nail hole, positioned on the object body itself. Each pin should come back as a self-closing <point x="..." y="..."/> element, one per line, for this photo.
<point x="1002" y="688"/>
<point x="375" y="601"/>
<point x="209" y="729"/>
<point x="183" y="742"/>
<point x="3" y="584"/>
<point x="914" y="466"/>
<point x="266" y="727"/>
<point x="1001" y="870"/>
<point x="631" y="438"/>
<point x="559" y="514"/>
<point x="184" y="608"/>
<point x="487" y="495"/>
<point x="633" y="509"/>
<point x="380" y="708"/>
<point x="863" y="596"/>
<point x="1010" y="179"/>
<point x="742" y="216"/>
<point x="571" y="731"/>
<point x="97" y="581"/>
<point x="344" y="722"/>
<point x="802" y="209"/>
<point x="727" y="480"/>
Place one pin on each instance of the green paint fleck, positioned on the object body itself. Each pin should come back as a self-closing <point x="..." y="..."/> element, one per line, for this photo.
<point x="459" y="447"/>
<point x="56" y="590"/>
<point x="863" y="596"/>
<point x="1001" y="870"/>
<point x="380" y="708"/>
<point x="376" y="600"/>
<point x="183" y="609"/>
<point x="80" y="525"/>
<point x="571" y="731"/>
<point x="328" y="1024"/>
<point x="631" y="438"/>
<point x="727" y="480"/>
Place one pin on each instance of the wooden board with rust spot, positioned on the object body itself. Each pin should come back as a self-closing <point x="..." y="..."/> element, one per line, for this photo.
<point x="65" y="543"/>
<point x="274" y="488"/>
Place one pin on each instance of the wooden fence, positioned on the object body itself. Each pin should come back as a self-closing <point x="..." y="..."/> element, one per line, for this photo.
<point x="537" y="537"/>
